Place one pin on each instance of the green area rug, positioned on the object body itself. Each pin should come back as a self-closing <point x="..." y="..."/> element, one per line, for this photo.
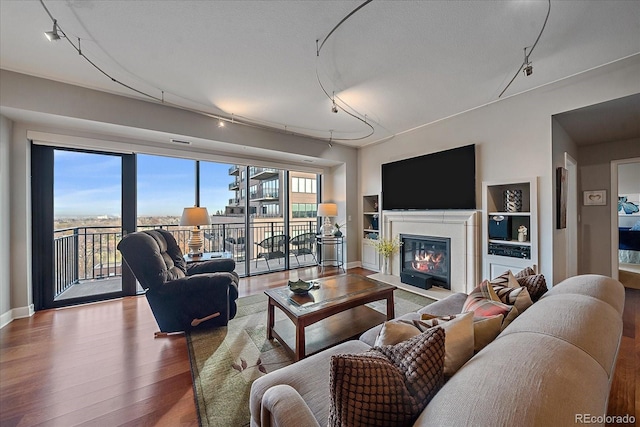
<point x="225" y="361"/>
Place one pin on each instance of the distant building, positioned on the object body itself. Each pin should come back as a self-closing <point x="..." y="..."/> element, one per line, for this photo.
<point x="265" y="193"/>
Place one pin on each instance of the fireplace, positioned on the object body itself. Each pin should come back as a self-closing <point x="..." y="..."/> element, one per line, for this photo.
<point x="425" y="261"/>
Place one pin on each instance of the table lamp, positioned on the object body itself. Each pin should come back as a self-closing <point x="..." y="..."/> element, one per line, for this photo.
<point x="327" y="210"/>
<point x="195" y="216"/>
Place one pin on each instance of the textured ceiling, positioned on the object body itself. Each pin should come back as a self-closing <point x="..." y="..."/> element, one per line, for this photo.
<point x="403" y="64"/>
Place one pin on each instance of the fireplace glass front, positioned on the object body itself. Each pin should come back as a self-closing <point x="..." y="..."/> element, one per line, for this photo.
<point x="425" y="261"/>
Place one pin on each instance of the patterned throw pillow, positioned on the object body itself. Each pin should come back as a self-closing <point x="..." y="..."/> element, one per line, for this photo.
<point x="484" y="302"/>
<point x="506" y="279"/>
<point x="387" y="385"/>
<point x="535" y="283"/>
<point x="518" y="297"/>
<point x="459" y="342"/>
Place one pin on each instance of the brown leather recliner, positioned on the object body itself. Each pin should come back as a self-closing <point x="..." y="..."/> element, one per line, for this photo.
<point x="182" y="296"/>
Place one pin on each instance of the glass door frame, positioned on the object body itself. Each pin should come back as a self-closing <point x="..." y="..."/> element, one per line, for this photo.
<point x="42" y="216"/>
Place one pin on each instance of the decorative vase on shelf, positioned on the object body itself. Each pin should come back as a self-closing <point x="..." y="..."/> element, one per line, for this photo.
<point x="337" y="233"/>
<point x="513" y="200"/>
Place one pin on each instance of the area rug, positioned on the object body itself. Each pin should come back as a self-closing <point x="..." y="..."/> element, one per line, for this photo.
<point x="225" y="361"/>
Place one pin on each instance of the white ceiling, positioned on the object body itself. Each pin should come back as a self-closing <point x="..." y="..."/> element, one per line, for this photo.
<point x="402" y="63"/>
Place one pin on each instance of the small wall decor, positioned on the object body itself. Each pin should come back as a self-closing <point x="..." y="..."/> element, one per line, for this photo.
<point x="561" y="198"/>
<point x="595" y="198"/>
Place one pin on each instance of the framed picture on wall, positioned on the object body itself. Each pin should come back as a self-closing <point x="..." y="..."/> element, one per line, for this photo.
<point x="595" y="198"/>
<point x="561" y="198"/>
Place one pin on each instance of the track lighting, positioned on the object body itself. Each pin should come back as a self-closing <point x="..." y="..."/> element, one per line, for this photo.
<point x="53" y="35"/>
<point x="220" y="124"/>
<point x="528" y="68"/>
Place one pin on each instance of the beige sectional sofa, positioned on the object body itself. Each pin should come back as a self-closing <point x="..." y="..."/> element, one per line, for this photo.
<point x="553" y="364"/>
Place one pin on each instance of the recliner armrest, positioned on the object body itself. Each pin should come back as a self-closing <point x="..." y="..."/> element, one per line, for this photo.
<point x="205" y="282"/>
<point x="211" y="266"/>
<point x="282" y="406"/>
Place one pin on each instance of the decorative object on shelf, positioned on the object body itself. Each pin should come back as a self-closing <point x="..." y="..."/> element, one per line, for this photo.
<point x="595" y="198"/>
<point x="624" y="205"/>
<point x="561" y="198"/>
<point x="374" y="221"/>
<point x="386" y="248"/>
<point x="327" y="210"/>
<point x="337" y="227"/>
<point x="195" y="217"/>
<point x="512" y="200"/>
<point x="522" y="233"/>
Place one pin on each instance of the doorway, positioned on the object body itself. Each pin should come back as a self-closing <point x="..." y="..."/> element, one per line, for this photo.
<point x="625" y="187"/>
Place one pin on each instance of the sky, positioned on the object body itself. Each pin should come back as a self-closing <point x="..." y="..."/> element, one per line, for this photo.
<point x="87" y="184"/>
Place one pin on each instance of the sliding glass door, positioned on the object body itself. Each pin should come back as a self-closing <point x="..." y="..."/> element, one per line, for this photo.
<point x="79" y="216"/>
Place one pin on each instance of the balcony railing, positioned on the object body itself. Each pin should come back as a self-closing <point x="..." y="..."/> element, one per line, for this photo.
<point x="90" y="253"/>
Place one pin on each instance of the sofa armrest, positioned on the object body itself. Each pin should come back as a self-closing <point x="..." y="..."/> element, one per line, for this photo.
<point x="282" y="406"/>
<point x="211" y="266"/>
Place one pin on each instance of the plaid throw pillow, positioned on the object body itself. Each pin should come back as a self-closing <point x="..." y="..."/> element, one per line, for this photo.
<point x="387" y="385"/>
<point x="484" y="302"/>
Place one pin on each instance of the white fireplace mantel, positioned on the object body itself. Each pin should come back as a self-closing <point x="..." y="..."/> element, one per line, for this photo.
<point x="461" y="226"/>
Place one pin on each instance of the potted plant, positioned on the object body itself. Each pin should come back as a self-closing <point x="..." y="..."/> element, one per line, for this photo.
<point x="337" y="232"/>
<point x="386" y="248"/>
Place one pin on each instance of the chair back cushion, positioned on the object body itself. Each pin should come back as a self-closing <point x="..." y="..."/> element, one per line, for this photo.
<point x="154" y="257"/>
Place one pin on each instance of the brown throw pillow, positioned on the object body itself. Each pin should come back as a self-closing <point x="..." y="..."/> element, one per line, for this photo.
<point x="485" y="330"/>
<point x="387" y="385"/>
<point x="506" y="279"/>
<point x="535" y="283"/>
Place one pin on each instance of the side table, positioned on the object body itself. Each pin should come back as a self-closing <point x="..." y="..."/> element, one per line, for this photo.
<point x="331" y="250"/>
<point x="207" y="256"/>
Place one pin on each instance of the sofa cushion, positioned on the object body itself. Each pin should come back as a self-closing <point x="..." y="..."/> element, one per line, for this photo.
<point x="388" y="385"/>
<point x="600" y="287"/>
<point x="458" y="330"/>
<point x="484" y="302"/>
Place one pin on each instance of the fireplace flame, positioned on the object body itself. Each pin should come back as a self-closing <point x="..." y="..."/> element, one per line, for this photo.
<point x="428" y="261"/>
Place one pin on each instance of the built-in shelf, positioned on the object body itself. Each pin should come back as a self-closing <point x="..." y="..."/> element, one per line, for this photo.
<point x="511" y="242"/>
<point x="501" y="248"/>
<point x="371" y="225"/>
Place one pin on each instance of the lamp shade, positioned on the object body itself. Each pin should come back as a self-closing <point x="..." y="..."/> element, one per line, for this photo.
<point x="327" y="209"/>
<point x="195" y="216"/>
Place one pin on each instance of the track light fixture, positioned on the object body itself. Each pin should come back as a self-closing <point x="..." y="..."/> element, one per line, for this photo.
<point x="53" y="35"/>
<point x="334" y="108"/>
<point x="526" y="66"/>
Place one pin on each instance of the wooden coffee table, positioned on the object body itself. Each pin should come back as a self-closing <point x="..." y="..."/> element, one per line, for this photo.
<point x="327" y="316"/>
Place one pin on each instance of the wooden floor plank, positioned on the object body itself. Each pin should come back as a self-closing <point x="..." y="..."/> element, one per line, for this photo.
<point x="99" y="364"/>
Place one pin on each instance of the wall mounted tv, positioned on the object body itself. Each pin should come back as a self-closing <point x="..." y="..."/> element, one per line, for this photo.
<point x="442" y="180"/>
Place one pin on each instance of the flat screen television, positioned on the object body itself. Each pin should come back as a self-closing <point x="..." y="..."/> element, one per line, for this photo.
<point x="442" y="180"/>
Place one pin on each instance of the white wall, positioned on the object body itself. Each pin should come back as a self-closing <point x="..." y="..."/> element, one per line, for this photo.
<point x="513" y="138"/>
<point x="5" y="224"/>
<point x="629" y="178"/>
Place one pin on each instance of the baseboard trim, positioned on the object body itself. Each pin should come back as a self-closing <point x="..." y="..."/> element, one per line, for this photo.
<point x="16" y="313"/>
<point x="355" y="264"/>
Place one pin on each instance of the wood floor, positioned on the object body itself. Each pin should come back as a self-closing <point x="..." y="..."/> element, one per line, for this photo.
<point x="99" y="365"/>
